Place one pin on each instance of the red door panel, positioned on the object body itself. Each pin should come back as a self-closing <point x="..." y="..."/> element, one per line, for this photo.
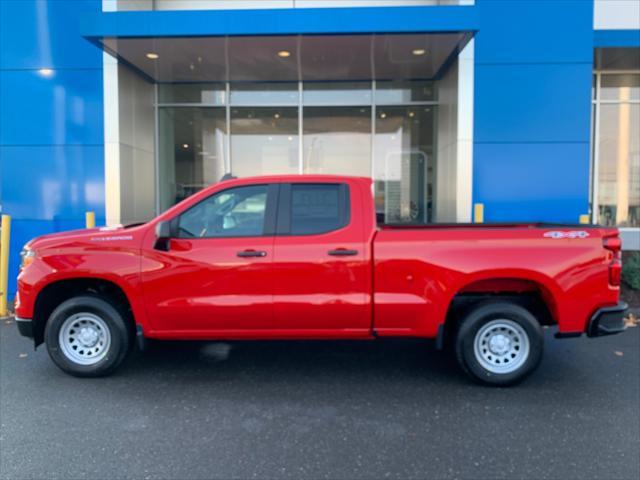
<point x="321" y="281"/>
<point x="214" y="279"/>
<point x="202" y="285"/>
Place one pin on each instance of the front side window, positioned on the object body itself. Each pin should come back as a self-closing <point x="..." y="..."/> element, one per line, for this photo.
<point x="318" y="208"/>
<point x="236" y="212"/>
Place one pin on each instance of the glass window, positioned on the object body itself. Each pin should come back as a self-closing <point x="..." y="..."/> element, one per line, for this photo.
<point x="622" y="87"/>
<point x="264" y="141"/>
<point x="404" y="92"/>
<point x="618" y="145"/>
<point x="316" y="208"/>
<point x="337" y="140"/>
<point x="405" y="164"/>
<point x="237" y="212"/>
<point x="336" y="93"/>
<point x="191" y="144"/>
<point x="252" y="94"/>
<point x="196" y="93"/>
<point x="617" y="59"/>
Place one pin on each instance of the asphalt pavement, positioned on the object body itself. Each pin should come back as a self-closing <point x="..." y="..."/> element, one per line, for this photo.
<point x="383" y="409"/>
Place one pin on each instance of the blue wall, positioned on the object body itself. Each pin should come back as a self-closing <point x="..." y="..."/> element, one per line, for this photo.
<point x="532" y="101"/>
<point x="51" y="126"/>
<point x="533" y="69"/>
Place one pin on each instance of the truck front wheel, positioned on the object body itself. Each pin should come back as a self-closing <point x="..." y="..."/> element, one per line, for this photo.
<point x="499" y="343"/>
<point x="86" y="336"/>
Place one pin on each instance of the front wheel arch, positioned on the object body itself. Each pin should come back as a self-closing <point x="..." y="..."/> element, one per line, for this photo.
<point x="55" y="293"/>
<point x="75" y="314"/>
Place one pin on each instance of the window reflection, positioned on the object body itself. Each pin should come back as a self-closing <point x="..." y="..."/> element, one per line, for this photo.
<point x="337" y="93"/>
<point x="237" y="212"/>
<point x="404" y="164"/>
<point x="196" y="93"/>
<point x="264" y="141"/>
<point x="337" y="140"/>
<point x="251" y="94"/>
<point x="404" y="92"/>
<point x="261" y="123"/>
<point x="192" y="151"/>
<point x="619" y="164"/>
<point x="622" y="87"/>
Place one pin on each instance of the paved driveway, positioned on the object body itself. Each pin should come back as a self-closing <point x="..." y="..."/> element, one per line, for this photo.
<point x="321" y="410"/>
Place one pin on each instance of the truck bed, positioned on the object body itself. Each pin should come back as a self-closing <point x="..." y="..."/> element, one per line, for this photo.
<point x="419" y="270"/>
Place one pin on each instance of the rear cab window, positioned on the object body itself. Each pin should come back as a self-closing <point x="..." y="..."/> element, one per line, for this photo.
<point x="313" y="208"/>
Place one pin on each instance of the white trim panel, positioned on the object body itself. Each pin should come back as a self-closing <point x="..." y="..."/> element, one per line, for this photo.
<point x="616" y="15"/>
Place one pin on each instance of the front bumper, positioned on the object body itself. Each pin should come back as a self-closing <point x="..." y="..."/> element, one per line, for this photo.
<point x="607" y="321"/>
<point x="25" y="327"/>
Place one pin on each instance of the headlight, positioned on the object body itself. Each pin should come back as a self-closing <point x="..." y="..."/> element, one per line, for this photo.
<point x="27" y="257"/>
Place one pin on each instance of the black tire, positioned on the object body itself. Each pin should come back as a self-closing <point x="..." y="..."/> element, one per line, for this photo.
<point x="113" y="355"/>
<point x="480" y="316"/>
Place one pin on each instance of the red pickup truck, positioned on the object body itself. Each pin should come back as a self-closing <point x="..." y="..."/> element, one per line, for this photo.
<point x="302" y="257"/>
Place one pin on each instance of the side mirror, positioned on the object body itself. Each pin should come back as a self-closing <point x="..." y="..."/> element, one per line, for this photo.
<point x="163" y="236"/>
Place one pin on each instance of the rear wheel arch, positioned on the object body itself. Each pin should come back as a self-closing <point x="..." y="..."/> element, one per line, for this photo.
<point x="526" y="293"/>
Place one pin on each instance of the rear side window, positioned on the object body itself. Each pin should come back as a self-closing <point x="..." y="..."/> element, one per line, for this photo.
<point x="318" y="208"/>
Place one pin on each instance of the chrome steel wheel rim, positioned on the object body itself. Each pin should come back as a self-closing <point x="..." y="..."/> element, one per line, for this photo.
<point x="84" y="338"/>
<point x="501" y="346"/>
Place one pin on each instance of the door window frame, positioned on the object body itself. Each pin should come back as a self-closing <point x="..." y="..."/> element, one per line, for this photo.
<point x="270" y="213"/>
<point x="285" y="208"/>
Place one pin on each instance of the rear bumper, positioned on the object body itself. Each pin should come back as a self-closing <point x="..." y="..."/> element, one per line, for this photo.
<point x="25" y="327"/>
<point x="607" y="321"/>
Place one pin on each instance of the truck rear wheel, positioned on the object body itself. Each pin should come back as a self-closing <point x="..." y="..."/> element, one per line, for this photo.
<point x="86" y="336"/>
<point x="499" y="343"/>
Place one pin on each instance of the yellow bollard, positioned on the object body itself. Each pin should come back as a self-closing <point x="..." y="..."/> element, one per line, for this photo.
<point x="4" y="264"/>
<point x="478" y="213"/>
<point x="90" y="219"/>
<point x="584" y="219"/>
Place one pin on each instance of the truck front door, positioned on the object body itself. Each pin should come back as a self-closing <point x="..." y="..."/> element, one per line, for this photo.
<point x="214" y="278"/>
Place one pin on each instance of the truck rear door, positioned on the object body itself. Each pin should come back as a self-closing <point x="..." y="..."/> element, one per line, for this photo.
<point x="321" y="270"/>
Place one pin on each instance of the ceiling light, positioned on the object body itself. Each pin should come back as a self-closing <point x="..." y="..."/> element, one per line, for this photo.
<point x="418" y="51"/>
<point x="185" y="145"/>
<point x="284" y="53"/>
<point x="411" y="114"/>
<point x="45" y="72"/>
<point x="290" y="138"/>
<point x="152" y="56"/>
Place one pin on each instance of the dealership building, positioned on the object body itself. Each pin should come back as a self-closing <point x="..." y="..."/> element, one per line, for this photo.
<point x="519" y="110"/>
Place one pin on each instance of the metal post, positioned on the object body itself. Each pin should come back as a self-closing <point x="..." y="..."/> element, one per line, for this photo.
<point x="478" y="213"/>
<point x="4" y="264"/>
<point x="90" y="219"/>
